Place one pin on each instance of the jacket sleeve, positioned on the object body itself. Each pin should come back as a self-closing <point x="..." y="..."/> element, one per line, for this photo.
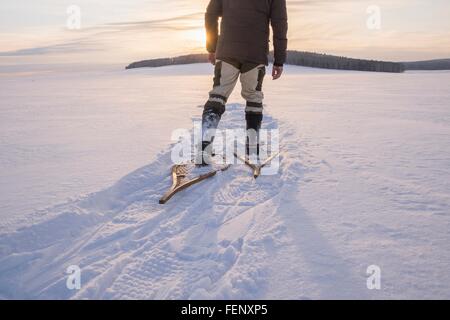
<point x="213" y="12"/>
<point x="278" y="20"/>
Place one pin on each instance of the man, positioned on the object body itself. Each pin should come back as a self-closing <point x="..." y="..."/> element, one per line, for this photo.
<point x="241" y="49"/>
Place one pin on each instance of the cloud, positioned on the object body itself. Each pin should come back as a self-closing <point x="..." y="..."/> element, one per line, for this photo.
<point x="178" y="19"/>
<point x="73" y="46"/>
<point x="94" y="36"/>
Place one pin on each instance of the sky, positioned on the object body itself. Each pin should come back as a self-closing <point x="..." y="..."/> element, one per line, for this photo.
<point x="123" y="31"/>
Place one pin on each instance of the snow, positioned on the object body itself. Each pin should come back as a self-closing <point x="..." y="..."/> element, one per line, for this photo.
<point x="364" y="180"/>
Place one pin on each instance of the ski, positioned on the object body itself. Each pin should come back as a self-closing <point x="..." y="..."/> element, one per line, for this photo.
<point x="179" y="181"/>
<point x="257" y="168"/>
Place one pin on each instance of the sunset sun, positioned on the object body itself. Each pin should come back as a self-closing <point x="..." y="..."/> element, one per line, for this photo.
<point x="198" y="36"/>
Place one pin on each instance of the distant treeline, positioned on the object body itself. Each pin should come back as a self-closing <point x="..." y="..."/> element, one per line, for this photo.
<point x="153" y="63"/>
<point x="298" y="58"/>
<point x="326" y="61"/>
<point x="439" y="64"/>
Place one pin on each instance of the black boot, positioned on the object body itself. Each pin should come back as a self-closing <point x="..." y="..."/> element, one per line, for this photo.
<point x="204" y="156"/>
<point x="253" y="126"/>
<point x="212" y="114"/>
<point x="251" y="149"/>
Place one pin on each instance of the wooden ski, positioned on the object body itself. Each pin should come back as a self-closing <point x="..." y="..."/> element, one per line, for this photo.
<point x="257" y="168"/>
<point x="179" y="181"/>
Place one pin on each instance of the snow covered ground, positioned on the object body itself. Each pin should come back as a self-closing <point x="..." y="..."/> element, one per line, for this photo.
<point x="364" y="180"/>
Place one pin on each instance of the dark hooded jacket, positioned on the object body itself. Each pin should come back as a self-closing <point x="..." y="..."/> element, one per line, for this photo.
<point x="244" y="29"/>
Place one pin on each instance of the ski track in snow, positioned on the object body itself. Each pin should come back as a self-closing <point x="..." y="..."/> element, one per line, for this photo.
<point x="212" y="241"/>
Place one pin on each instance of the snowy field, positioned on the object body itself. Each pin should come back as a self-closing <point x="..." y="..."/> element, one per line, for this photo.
<point x="364" y="180"/>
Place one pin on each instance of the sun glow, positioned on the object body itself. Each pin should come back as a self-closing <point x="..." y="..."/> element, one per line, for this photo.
<point x="197" y="36"/>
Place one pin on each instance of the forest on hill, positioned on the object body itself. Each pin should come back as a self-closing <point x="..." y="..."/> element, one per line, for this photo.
<point x="298" y="58"/>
